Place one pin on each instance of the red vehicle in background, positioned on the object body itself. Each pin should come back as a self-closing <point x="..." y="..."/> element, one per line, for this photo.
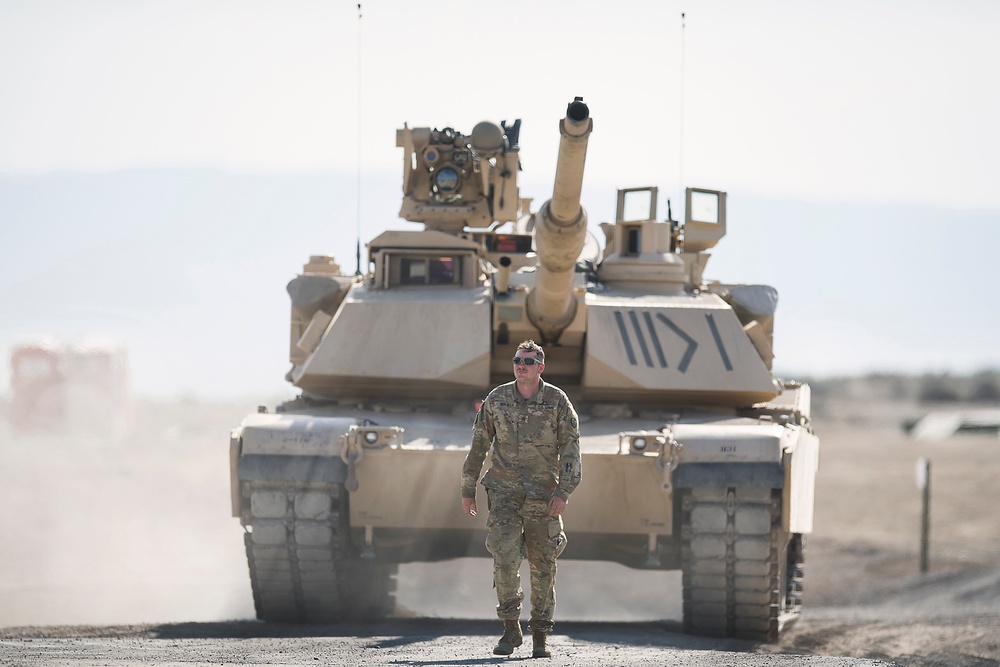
<point x="59" y="387"/>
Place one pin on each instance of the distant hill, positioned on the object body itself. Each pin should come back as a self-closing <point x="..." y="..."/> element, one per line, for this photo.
<point x="189" y="267"/>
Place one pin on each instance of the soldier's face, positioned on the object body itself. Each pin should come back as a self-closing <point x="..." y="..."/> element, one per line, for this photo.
<point x="523" y="371"/>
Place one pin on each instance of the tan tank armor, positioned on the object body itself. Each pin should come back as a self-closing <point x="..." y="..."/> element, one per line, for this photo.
<point x="695" y="456"/>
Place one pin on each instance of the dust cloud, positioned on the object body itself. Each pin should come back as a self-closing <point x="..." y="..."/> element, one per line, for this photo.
<point x="138" y="529"/>
<point x="585" y="591"/>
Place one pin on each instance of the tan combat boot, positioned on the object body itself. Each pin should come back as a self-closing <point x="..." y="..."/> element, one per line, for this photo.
<point x="511" y="638"/>
<point x="541" y="647"/>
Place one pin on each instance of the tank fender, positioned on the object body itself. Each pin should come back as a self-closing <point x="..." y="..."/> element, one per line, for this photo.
<point x="801" y="466"/>
<point x="744" y="455"/>
<point x="234" y="479"/>
<point x="290" y="447"/>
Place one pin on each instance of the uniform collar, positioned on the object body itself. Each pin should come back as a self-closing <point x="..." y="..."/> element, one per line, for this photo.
<point x="534" y="399"/>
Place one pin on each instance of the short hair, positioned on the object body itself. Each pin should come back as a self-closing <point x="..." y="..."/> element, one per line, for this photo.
<point x="532" y="346"/>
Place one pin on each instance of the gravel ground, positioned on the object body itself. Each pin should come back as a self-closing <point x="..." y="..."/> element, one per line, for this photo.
<point x="124" y="553"/>
<point x="394" y="642"/>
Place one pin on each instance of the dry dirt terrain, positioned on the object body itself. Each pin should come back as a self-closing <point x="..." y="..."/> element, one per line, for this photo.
<point x="124" y="553"/>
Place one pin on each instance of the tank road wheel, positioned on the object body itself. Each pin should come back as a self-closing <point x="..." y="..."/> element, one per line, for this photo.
<point x="301" y="568"/>
<point x="742" y="574"/>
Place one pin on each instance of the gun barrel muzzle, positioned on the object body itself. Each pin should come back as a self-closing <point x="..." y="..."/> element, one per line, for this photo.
<point x="575" y="129"/>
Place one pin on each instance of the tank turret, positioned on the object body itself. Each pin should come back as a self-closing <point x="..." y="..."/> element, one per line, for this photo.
<point x="561" y="230"/>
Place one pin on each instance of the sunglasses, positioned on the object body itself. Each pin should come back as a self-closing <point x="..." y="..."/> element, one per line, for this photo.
<point x="527" y="361"/>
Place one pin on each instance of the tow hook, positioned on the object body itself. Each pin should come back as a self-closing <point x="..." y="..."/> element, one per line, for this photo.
<point x="669" y="458"/>
<point x="351" y="452"/>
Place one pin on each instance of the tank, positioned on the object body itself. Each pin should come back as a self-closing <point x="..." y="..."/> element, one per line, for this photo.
<point x="695" y="456"/>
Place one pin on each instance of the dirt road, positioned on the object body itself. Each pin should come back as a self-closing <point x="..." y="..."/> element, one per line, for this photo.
<point x="396" y="642"/>
<point x="131" y="544"/>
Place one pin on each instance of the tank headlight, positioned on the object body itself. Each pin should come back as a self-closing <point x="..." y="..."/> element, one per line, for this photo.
<point x="371" y="437"/>
<point x="638" y="444"/>
<point x="446" y="180"/>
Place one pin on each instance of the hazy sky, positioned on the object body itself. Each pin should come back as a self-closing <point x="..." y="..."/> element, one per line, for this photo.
<point x="873" y="103"/>
<point x="854" y="100"/>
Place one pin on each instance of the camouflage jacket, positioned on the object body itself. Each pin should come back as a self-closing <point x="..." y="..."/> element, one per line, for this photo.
<point x="536" y="444"/>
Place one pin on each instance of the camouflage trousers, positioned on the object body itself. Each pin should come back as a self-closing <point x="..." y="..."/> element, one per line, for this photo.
<point x="520" y="527"/>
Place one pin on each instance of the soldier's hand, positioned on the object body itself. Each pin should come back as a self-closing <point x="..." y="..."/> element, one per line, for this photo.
<point x="469" y="505"/>
<point x="556" y="506"/>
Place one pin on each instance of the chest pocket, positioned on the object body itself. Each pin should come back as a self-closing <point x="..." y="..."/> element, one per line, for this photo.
<point x="540" y="430"/>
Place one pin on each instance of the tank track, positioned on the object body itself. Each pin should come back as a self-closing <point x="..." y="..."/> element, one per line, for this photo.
<point x="303" y="568"/>
<point x="742" y="574"/>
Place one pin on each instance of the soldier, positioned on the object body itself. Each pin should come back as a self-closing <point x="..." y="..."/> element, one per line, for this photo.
<point x="535" y="436"/>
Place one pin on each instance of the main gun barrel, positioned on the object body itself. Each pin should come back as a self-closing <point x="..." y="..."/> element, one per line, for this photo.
<point x="561" y="229"/>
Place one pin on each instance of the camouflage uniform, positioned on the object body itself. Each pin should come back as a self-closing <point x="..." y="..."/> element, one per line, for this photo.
<point x="536" y="455"/>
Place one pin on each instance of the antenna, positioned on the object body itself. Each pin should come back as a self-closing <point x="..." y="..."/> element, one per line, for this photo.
<point x="680" y="141"/>
<point x="357" y="254"/>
